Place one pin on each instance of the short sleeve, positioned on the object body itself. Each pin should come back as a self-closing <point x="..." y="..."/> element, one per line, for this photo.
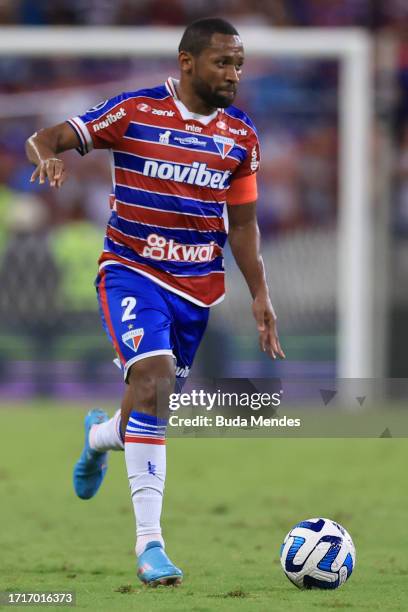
<point x="250" y="164"/>
<point x="103" y="125"/>
<point x="243" y="190"/>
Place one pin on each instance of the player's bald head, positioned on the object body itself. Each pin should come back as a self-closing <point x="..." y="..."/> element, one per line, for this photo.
<point x="197" y="36"/>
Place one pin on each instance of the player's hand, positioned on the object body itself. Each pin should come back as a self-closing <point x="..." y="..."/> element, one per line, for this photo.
<point x="266" y="321"/>
<point x="52" y="169"/>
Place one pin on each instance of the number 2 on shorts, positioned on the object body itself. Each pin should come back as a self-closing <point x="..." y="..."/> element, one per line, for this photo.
<point x="129" y="304"/>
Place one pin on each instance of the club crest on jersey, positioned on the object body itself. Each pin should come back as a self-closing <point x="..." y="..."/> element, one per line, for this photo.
<point x="133" y="338"/>
<point x="223" y="144"/>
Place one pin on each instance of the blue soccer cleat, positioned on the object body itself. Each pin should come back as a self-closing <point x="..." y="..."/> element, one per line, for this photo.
<point x="155" y="568"/>
<point x="91" y="468"/>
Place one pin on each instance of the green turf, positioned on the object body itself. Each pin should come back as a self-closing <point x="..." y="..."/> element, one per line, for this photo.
<point x="228" y="505"/>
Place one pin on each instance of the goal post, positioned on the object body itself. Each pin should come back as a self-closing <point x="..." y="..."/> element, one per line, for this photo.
<point x="352" y="48"/>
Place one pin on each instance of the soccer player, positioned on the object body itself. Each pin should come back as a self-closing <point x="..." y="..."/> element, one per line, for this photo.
<point x="184" y="163"/>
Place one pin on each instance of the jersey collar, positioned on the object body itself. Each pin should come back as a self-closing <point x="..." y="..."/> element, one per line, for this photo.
<point x="171" y="85"/>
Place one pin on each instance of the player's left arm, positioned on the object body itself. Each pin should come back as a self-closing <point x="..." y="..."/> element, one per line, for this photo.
<point x="244" y="238"/>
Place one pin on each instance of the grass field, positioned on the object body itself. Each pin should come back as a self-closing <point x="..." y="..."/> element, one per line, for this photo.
<point x="228" y="505"/>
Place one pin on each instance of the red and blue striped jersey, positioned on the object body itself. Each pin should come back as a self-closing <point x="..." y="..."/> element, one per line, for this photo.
<point x="171" y="171"/>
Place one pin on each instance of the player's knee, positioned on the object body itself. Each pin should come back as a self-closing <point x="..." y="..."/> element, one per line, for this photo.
<point x="152" y="380"/>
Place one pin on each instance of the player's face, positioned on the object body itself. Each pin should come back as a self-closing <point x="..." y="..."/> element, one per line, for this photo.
<point x="217" y="70"/>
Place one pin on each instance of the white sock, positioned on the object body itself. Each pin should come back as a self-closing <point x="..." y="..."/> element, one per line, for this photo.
<point x="106" y="436"/>
<point x="143" y="540"/>
<point x="145" y="454"/>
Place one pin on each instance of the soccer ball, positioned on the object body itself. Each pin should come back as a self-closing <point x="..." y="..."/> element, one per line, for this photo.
<point x="318" y="553"/>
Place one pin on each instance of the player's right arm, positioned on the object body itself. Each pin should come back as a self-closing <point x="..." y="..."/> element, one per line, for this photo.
<point x="42" y="149"/>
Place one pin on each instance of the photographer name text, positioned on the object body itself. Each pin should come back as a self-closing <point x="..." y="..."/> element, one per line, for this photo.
<point x="237" y="421"/>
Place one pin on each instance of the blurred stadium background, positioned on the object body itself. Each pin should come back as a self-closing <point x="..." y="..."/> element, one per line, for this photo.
<point x="51" y="340"/>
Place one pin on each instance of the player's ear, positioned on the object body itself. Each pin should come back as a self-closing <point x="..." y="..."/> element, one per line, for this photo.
<point x="185" y="61"/>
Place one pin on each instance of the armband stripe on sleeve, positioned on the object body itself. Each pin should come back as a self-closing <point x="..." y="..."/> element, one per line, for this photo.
<point x="83" y="133"/>
<point x="243" y="190"/>
<point x="80" y="149"/>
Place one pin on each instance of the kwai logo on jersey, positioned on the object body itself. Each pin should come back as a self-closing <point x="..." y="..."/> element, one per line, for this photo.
<point x="109" y="119"/>
<point x="196" y="174"/>
<point x="133" y="338"/>
<point x="223" y="144"/>
<point x="159" y="248"/>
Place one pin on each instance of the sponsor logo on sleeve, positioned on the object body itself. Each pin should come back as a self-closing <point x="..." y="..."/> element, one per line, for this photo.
<point x="109" y="119"/>
<point x="254" y="159"/>
<point x="133" y="338"/>
<point x="223" y="144"/>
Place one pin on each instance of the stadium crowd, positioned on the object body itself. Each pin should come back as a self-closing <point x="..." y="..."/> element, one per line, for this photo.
<point x="298" y="177"/>
<point x="294" y="104"/>
<point x="374" y="14"/>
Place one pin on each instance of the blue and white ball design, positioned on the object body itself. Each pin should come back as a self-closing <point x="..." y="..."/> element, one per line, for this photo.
<point x="318" y="553"/>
